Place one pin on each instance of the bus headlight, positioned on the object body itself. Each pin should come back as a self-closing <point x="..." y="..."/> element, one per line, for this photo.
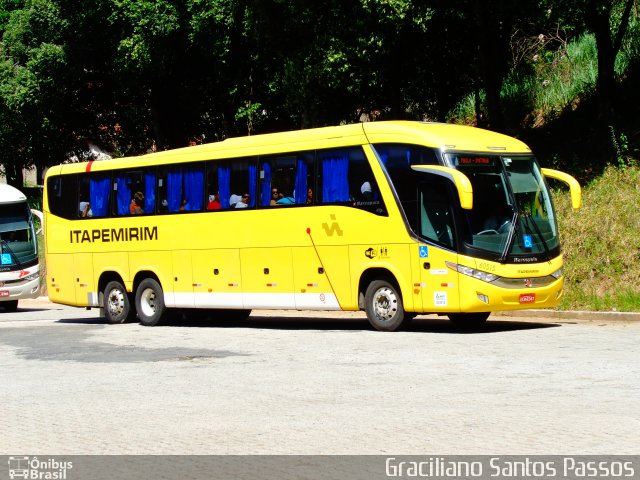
<point x="557" y="274"/>
<point x="33" y="276"/>
<point x="472" y="272"/>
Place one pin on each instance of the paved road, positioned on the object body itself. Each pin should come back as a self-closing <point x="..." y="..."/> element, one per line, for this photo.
<point x="315" y="383"/>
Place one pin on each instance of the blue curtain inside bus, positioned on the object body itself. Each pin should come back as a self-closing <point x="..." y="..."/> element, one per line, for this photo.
<point x="123" y="196"/>
<point x="252" y="184"/>
<point x="149" y="193"/>
<point x="174" y="190"/>
<point x="99" y="189"/>
<point x="335" y="182"/>
<point x="300" y="189"/>
<point x="184" y="190"/>
<point x="193" y="188"/>
<point x="265" y="185"/>
<point x="224" y="186"/>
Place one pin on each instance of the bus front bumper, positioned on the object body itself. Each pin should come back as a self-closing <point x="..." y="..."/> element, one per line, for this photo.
<point x="491" y="298"/>
<point x="17" y="291"/>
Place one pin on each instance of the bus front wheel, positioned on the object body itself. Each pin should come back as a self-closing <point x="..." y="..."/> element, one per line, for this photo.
<point x="117" y="307"/>
<point x="383" y="305"/>
<point x="149" y="302"/>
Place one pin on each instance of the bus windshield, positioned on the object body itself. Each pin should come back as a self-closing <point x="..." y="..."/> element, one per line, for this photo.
<point x="17" y="238"/>
<point x="512" y="217"/>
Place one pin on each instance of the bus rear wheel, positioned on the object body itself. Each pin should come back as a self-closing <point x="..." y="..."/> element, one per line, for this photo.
<point x="383" y="304"/>
<point x="469" y="320"/>
<point x="117" y="308"/>
<point x="149" y="302"/>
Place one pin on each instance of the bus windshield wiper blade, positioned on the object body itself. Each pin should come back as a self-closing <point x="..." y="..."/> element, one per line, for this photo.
<point x="510" y="236"/>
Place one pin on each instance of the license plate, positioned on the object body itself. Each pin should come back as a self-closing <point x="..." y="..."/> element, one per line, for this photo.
<point x="4" y="293"/>
<point x="528" y="298"/>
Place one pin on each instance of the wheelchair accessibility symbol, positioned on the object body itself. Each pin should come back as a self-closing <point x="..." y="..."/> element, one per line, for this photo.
<point x="423" y="252"/>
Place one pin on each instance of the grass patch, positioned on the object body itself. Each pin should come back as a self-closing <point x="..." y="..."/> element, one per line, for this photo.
<point x="600" y="243"/>
<point x="552" y="82"/>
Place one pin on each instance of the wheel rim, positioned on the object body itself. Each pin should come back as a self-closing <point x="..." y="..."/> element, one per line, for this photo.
<point x="385" y="304"/>
<point x="115" y="303"/>
<point x="148" y="302"/>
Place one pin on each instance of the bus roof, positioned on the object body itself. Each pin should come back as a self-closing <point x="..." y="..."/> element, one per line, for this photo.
<point x="9" y="194"/>
<point x="442" y="136"/>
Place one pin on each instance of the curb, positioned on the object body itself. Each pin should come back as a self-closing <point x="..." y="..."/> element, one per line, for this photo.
<point x="573" y="315"/>
<point x="532" y="313"/>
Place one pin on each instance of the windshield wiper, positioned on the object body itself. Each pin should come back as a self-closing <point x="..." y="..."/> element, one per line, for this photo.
<point x="510" y="236"/>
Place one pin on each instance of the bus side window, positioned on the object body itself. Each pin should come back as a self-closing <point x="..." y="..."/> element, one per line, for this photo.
<point x="63" y="196"/>
<point x="397" y="159"/>
<point x="347" y="178"/>
<point x="435" y="221"/>
<point x="237" y="183"/>
<point x="286" y="179"/>
<point x="94" y="195"/>
<point x="135" y="192"/>
<point x="181" y="188"/>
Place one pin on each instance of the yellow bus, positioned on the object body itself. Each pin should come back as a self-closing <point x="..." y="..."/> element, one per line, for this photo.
<point x="393" y="218"/>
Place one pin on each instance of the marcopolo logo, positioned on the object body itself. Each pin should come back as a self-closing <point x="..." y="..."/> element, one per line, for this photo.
<point x="38" y="469"/>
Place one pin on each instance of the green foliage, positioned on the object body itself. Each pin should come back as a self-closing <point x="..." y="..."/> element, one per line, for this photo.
<point x="132" y="75"/>
<point x="32" y="77"/>
<point x="146" y="26"/>
<point x="602" y="256"/>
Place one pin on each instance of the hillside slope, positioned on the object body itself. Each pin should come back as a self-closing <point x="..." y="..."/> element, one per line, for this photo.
<point x="601" y="243"/>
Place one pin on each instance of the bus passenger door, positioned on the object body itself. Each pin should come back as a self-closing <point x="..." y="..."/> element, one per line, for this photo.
<point x="182" y="279"/>
<point x="438" y="283"/>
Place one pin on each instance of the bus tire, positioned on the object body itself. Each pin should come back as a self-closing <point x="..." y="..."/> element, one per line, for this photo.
<point x="116" y="304"/>
<point x="383" y="305"/>
<point x="469" y="320"/>
<point x="10" y="305"/>
<point x="150" y="302"/>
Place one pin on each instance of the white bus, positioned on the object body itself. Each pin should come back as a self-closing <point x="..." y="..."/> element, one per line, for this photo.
<point x="19" y="267"/>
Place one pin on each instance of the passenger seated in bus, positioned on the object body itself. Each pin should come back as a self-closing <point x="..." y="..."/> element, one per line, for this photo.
<point x="244" y="201"/>
<point x="275" y="196"/>
<point x="233" y="200"/>
<point x="309" y="196"/>
<point x="214" y="202"/>
<point x="286" y="200"/>
<point x="365" y="190"/>
<point x="85" y="210"/>
<point x="136" y="205"/>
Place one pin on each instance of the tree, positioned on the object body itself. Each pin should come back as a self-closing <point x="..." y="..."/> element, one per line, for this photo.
<point x="32" y="74"/>
<point x="598" y="15"/>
